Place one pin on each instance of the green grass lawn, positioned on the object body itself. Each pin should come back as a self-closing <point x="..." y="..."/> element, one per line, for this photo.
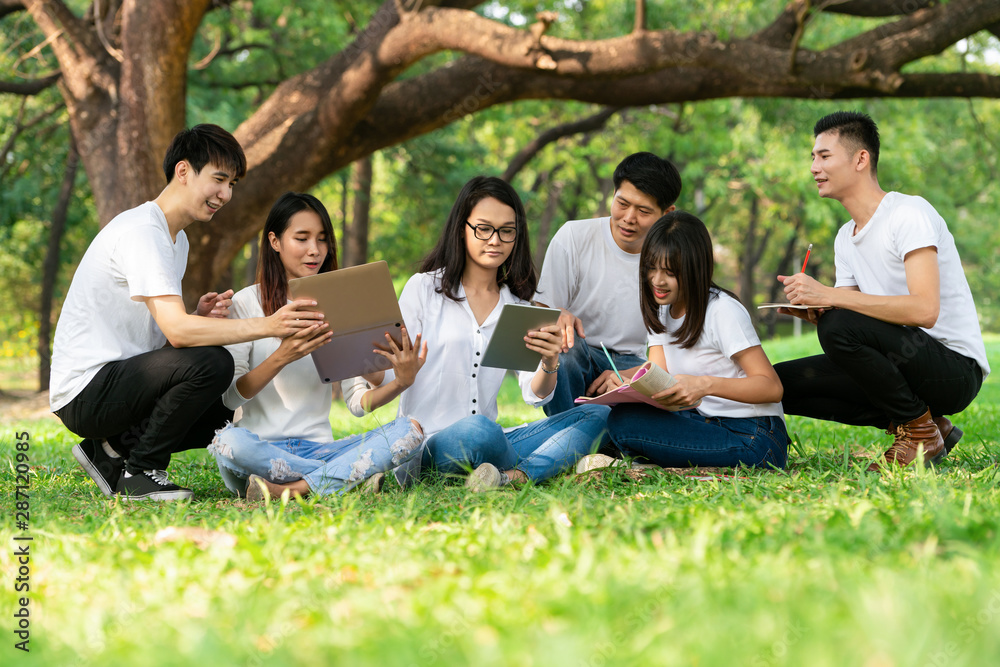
<point x="822" y="565"/>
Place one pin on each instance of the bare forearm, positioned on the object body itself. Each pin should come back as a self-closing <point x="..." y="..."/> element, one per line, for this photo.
<point x="196" y="331"/>
<point x="251" y="382"/>
<point x="751" y="389"/>
<point x="908" y="309"/>
<point x="543" y="383"/>
<point x="379" y="396"/>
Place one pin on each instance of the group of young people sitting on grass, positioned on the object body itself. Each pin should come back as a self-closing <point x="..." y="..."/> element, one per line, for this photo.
<point x="139" y="378"/>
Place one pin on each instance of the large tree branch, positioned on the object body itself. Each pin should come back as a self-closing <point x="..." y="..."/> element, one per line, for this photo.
<point x="10" y="7"/>
<point x="81" y="57"/>
<point x="303" y="112"/>
<point x="878" y="8"/>
<point x="26" y="88"/>
<point x="589" y="124"/>
<point x="923" y="33"/>
<point x="892" y="44"/>
<point x="335" y="95"/>
<point x="415" y="106"/>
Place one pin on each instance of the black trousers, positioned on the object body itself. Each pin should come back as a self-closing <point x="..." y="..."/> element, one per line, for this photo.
<point x="154" y="404"/>
<point x="873" y="373"/>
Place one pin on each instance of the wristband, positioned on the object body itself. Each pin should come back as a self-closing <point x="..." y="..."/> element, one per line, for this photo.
<point x="547" y="371"/>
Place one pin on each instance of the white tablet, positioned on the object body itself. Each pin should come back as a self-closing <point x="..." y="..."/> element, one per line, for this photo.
<point x="506" y="348"/>
<point x="360" y="305"/>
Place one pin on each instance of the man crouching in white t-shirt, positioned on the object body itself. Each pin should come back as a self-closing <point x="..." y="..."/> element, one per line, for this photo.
<point x="133" y="373"/>
<point x="903" y="346"/>
<point x="591" y="272"/>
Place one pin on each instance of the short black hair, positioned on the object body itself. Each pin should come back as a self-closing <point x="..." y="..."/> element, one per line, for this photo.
<point x="204" y="144"/>
<point x="856" y="130"/>
<point x="651" y="175"/>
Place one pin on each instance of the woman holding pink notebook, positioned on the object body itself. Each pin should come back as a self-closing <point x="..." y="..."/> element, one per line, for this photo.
<point x="703" y="336"/>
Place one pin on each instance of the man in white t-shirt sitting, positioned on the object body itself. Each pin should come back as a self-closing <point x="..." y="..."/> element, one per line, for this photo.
<point x="902" y="344"/>
<point x="116" y="382"/>
<point x="591" y="272"/>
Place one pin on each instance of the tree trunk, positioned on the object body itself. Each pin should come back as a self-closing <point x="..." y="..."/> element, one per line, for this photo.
<point x="356" y="234"/>
<point x="555" y="189"/>
<point x="50" y="268"/>
<point x="775" y="292"/>
<point x="745" y="282"/>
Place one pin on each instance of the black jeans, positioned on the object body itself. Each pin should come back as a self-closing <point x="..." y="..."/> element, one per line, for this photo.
<point x="874" y="373"/>
<point x="154" y="404"/>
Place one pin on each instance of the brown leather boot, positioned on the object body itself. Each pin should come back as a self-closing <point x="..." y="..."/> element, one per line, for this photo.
<point x="950" y="433"/>
<point x="919" y="433"/>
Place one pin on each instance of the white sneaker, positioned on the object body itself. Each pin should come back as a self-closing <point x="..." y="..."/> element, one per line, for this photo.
<point x="151" y="485"/>
<point x="373" y="484"/>
<point x="486" y="477"/>
<point x="596" y="462"/>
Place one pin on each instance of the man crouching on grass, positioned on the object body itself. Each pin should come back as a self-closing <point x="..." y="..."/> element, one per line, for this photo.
<point x="900" y="335"/>
<point x="132" y="373"/>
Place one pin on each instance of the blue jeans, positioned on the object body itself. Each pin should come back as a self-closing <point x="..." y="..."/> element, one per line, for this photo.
<point x="327" y="467"/>
<point x="686" y="438"/>
<point x="540" y="449"/>
<point x="578" y="368"/>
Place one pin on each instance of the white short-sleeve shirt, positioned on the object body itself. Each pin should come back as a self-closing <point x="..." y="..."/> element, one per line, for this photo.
<point x="295" y="404"/>
<point x="872" y="261"/>
<point x="728" y="331"/>
<point x="586" y="273"/>
<point x="104" y="317"/>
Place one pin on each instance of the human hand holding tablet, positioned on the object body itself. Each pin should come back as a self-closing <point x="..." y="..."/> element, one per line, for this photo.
<point x="507" y="348"/>
<point x="360" y="306"/>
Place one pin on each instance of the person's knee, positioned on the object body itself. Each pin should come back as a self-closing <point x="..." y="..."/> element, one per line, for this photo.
<point x="213" y="366"/>
<point x="593" y="415"/>
<point x="226" y="443"/>
<point x="838" y="325"/>
<point x="472" y="434"/>
<point x="789" y="374"/>
<point x="478" y="428"/>
<point x="618" y="419"/>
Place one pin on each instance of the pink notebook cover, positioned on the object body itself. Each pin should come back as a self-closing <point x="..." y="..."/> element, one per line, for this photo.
<point x="623" y="394"/>
<point x="626" y="394"/>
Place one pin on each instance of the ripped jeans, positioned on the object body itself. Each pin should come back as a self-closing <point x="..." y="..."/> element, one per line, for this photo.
<point x="327" y="467"/>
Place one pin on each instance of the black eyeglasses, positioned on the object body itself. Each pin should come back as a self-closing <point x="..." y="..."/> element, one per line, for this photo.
<point x="486" y="232"/>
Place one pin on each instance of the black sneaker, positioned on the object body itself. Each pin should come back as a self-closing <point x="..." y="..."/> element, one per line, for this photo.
<point x="151" y="485"/>
<point x="104" y="470"/>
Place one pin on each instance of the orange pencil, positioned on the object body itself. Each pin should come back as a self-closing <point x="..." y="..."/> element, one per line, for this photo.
<point x="806" y="260"/>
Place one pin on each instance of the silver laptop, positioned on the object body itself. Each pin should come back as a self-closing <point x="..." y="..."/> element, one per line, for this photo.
<point x="360" y="305"/>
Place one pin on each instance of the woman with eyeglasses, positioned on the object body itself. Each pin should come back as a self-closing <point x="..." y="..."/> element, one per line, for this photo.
<point x="481" y="262"/>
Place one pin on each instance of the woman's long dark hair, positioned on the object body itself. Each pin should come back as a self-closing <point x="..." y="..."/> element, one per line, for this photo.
<point x="680" y="242"/>
<point x="270" y="271"/>
<point x="517" y="271"/>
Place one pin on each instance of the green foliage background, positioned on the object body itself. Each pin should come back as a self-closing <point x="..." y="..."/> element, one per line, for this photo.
<point x="730" y="151"/>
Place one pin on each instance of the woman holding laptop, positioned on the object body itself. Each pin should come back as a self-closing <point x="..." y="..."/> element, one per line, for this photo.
<point x="481" y="262"/>
<point x="282" y="439"/>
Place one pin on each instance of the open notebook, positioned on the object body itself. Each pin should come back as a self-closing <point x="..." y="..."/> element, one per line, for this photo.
<point x="648" y="380"/>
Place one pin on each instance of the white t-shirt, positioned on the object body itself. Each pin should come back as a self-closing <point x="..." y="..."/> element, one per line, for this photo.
<point x="872" y="261"/>
<point x="728" y="331"/>
<point x="296" y="403"/>
<point x="452" y="384"/>
<point x="586" y="273"/>
<point x="104" y="318"/>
